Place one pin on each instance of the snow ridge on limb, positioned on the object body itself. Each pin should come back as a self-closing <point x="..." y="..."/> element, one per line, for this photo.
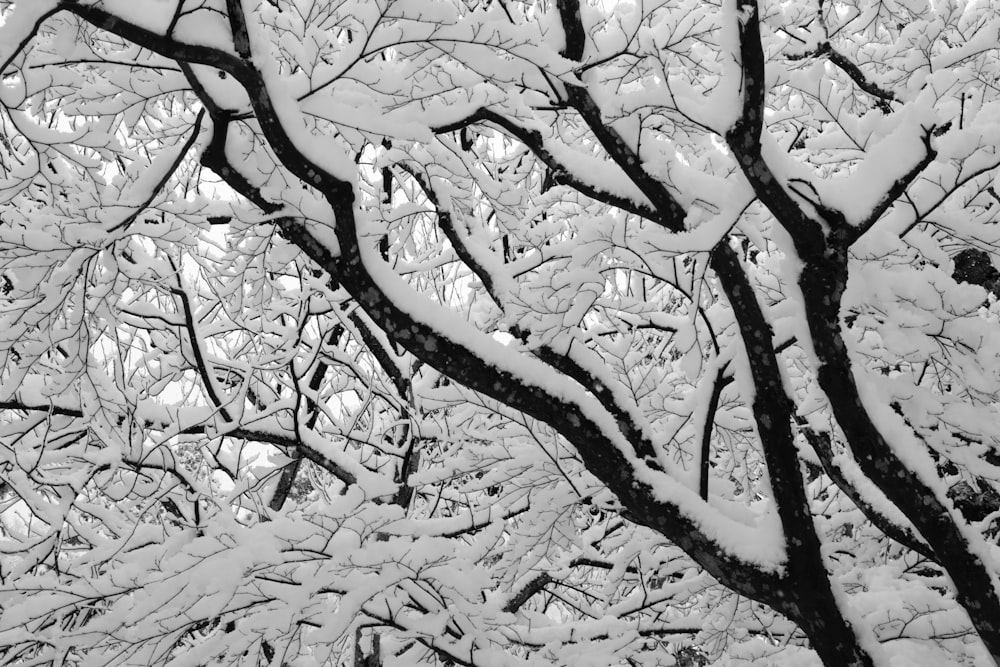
<point x="833" y="637"/>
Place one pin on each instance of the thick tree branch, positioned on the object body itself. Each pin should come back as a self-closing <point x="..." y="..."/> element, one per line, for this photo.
<point x="165" y="46"/>
<point x="290" y="442"/>
<point x="771" y="407"/>
<point x="49" y="409"/>
<point x="855" y="73"/>
<point x="823" y="446"/>
<point x="526" y="592"/>
<point x="602" y="457"/>
<point x="823" y="281"/>
<point x="744" y="139"/>
<point x="645" y="449"/>
<point x="381" y="354"/>
<point x="538" y="583"/>
<point x="285" y="481"/>
<point x="464" y="364"/>
<point x="447" y="225"/>
<point x="830" y="633"/>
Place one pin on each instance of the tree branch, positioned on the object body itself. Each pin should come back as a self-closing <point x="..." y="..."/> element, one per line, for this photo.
<point x="558" y="172"/>
<point x="447" y="225"/>
<point x="239" y="432"/>
<point x="562" y="362"/>
<point x="207" y="378"/>
<point x="823" y="446"/>
<point x="668" y="211"/>
<point x="744" y="139"/>
<point x="848" y="67"/>
<point x="28" y="37"/>
<point x="720" y="383"/>
<point x="535" y="585"/>
<point x="181" y="154"/>
<point x="899" y="186"/>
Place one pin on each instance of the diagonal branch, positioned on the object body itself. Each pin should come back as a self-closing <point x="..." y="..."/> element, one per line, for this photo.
<point x="165" y="46"/>
<point x="486" y="372"/>
<point x="559" y="172"/>
<point x="29" y="35"/>
<point x="165" y="178"/>
<point x="744" y="139"/>
<point x="668" y="211"/>
<point x="562" y="362"/>
<point x="856" y="75"/>
<point x="823" y="446"/>
<point x="721" y="382"/>
<point x="772" y="408"/>
<point x="207" y="378"/>
<point x="899" y="186"/>
<point x="535" y="585"/>
<point x="848" y="67"/>
<point x="451" y="232"/>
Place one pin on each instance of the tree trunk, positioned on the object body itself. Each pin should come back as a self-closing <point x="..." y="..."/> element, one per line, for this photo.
<point x="823" y="282"/>
<point x="808" y="597"/>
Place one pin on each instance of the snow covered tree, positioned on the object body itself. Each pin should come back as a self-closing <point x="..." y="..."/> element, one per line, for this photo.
<point x="499" y="332"/>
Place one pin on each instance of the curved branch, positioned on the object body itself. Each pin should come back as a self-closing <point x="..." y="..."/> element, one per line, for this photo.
<point x="165" y="178"/>
<point x="720" y="383"/>
<point x="559" y="172"/>
<point x="855" y="74"/>
<point x="207" y="378"/>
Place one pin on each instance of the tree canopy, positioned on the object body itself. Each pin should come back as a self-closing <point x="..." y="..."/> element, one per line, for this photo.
<point x="499" y="332"/>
